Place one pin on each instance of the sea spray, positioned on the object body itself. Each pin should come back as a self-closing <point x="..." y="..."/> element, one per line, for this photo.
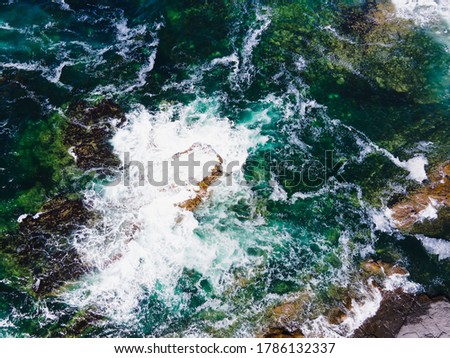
<point x="165" y="241"/>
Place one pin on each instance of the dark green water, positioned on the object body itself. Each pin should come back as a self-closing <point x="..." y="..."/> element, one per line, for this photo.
<point x="322" y="106"/>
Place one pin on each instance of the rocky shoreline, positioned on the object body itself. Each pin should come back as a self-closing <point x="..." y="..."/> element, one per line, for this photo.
<point x="42" y="243"/>
<point x="426" y="210"/>
<point x="422" y="211"/>
<point x="404" y="315"/>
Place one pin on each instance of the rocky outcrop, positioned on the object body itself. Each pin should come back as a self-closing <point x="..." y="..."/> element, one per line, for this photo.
<point x="427" y="209"/>
<point x="401" y="313"/>
<point x="280" y="332"/>
<point x="206" y="182"/>
<point x="433" y="323"/>
<point x="89" y="131"/>
<point x="398" y="309"/>
<point x="390" y="317"/>
<point x="284" y="319"/>
<point x="406" y="315"/>
<point x="43" y="243"/>
<point x="57" y="216"/>
<point x="379" y="267"/>
<point x="81" y="324"/>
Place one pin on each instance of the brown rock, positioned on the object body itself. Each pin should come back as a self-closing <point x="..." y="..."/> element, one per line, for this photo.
<point x="286" y="311"/>
<point x="44" y="245"/>
<point x="336" y="316"/>
<point x="284" y="319"/>
<point x="280" y="332"/>
<point x="407" y="315"/>
<point x="390" y="317"/>
<point x="406" y="213"/>
<point x="216" y="173"/>
<point x="382" y="268"/>
<point x="89" y="131"/>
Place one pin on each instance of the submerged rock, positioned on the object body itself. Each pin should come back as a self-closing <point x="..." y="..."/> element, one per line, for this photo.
<point x="81" y="324"/>
<point x="388" y="50"/>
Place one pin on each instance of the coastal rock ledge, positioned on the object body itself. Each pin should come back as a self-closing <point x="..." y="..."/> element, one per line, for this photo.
<point x="404" y="315"/>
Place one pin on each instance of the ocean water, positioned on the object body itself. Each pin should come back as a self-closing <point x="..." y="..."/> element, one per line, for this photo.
<point x="319" y="120"/>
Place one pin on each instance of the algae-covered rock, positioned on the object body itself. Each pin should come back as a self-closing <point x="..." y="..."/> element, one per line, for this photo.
<point x="57" y="216"/>
<point x="44" y="245"/>
<point x="438" y="227"/>
<point x="351" y="44"/>
<point x="89" y="131"/>
<point x="43" y="241"/>
<point x="81" y="324"/>
<point x="285" y="318"/>
<point x="193" y="30"/>
<point x="380" y="268"/>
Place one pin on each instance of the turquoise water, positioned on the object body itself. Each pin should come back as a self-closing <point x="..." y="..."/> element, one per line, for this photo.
<point x="323" y="107"/>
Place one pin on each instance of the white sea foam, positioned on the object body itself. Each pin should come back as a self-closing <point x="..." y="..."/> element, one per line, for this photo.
<point x="278" y="194"/>
<point x="361" y="309"/>
<point x="72" y="153"/>
<point x="300" y="63"/>
<point x="415" y="166"/>
<point x="54" y="75"/>
<point x="127" y="37"/>
<point x="31" y="66"/>
<point x="429" y="213"/>
<point x="36" y="216"/>
<point x="6" y="323"/>
<point x="6" y="26"/>
<point x="251" y="40"/>
<point x="63" y="5"/>
<point x="396" y="281"/>
<point x="145" y="240"/>
<point x="423" y="11"/>
<point x="21" y="218"/>
<point x="143" y="71"/>
<point x="240" y="61"/>
<point x="366" y="306"/>
<point x="436" y="246"/>
<point x="382" y="219"/>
